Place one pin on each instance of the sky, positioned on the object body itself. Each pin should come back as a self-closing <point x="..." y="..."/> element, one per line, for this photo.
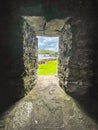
<point x="48" y="43"/>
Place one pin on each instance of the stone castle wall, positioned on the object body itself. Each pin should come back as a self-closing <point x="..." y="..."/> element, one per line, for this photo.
<point x="30" y="57"/>
<point x="65" y="45"/>
<point x="76" y="72"/>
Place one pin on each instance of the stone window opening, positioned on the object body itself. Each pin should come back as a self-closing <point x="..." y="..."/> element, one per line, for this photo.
<point x="72" y="51"/>
<point x="47" y="55"/>
<point x="38" y="26"/>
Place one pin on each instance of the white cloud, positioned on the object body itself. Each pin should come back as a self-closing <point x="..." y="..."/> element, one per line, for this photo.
<point x="40" y="43"/>
<point x="49" y="43"/>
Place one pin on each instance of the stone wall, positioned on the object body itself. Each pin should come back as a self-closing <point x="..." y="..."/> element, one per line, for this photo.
<point x="81" y="74"/>
<point x="18" y="54"/>
<point x="76" y="70"/>
<point x="65" y="45"/>
<point x="30" y="57"/>
<point x="11" y="55"/>
<point x="95" y="37"/>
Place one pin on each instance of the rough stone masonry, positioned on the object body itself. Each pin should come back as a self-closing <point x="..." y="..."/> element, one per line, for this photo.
<point x="30" y="57"/>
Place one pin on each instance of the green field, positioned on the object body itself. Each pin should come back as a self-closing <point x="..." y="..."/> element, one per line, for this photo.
<point x="49" y="68"/>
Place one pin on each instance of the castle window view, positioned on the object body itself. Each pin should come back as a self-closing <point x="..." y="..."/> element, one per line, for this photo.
<point x="47" y="55"/>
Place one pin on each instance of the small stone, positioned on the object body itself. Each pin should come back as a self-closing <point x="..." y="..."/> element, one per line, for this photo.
<point x="36" y="122"/>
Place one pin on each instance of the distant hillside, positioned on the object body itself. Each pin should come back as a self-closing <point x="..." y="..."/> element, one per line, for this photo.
<point x="47" y="52"/>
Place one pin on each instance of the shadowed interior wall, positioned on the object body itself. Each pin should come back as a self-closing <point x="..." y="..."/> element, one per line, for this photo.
<point x="81" y="63"/>
<point x="12" y="66"/>
<point x="76" y="65"/>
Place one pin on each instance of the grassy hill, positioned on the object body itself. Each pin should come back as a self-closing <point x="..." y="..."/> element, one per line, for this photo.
<point x="47" y="52"/>
<point x="49" y="68"/>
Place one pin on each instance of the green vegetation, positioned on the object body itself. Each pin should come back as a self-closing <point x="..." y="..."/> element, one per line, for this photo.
<point x="49" y="68"/>
<point x="48" y="52"/>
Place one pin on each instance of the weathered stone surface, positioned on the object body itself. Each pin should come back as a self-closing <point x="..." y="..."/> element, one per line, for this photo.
<point x="37" y="22"/>
<point x="76" y="58"/>
<point x="47" y="107"/>
<point x="65" y="45"/>
<point x="44" y="28"/>
<point x="80" y="63"/>
<point x="30" y="57"/>
<point x="55" y="24"/>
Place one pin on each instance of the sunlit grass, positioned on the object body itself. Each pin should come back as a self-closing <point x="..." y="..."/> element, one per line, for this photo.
<point x="49" y="68"/>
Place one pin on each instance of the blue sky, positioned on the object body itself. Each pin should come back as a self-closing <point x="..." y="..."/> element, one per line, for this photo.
<point x="48" y="43"/>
